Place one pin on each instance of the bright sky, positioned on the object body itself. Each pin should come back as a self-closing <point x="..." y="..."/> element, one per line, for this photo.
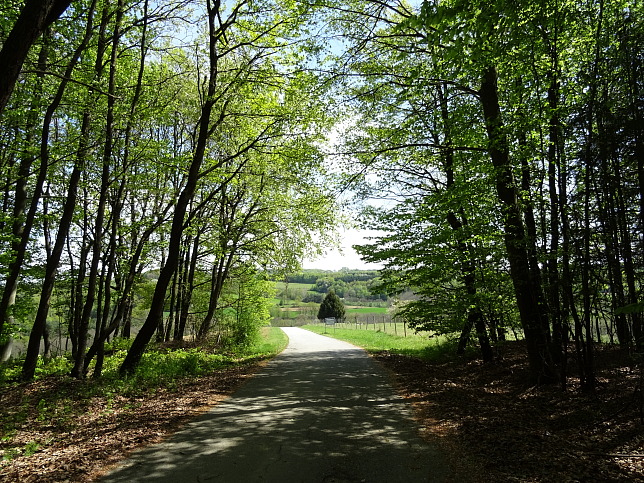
<point x="346" y="257"/>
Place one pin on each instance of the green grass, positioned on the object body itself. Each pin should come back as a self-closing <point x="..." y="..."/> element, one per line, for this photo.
<point x="375" y="341"/>
<point x="367" y="310"/>
<point x="288" y="314"/>
<point x="294" y="286"/>
<point x="158" y="367"/>
<point x="274" y="341"/>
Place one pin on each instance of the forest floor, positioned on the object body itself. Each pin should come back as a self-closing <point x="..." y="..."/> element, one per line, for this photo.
<point x="494" y="427"/>
<point x="500" y="429"/>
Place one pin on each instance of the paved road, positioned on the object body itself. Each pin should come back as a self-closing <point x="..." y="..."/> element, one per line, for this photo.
<point x="322" y="411"/>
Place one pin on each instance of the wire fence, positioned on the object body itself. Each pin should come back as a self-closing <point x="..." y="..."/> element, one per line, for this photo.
<point x="376" y="322"/>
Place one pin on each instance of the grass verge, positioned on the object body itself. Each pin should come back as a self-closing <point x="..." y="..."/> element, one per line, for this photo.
<point x="425" y="348"/>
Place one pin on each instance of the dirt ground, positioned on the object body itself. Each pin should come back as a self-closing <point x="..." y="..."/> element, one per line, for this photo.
<point x="502" y="430"/>
<point x="495" y="427"/>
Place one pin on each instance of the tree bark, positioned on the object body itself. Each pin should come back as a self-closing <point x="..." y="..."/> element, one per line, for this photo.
<point x="78" y="369"/>
<point x="21" y="224"/>
<point x="34" y="18"/>
<point x="528" y="292"/>
<point x="559" y="327"/>
<point x="40" y="322"/>
<point x="475" y="317"/>
<point x="155" y="316"/>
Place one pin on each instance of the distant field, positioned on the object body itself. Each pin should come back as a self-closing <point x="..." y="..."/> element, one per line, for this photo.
<point x="367" y="310"/>
<point x="383" y="324"/>
<point x="294" y="286"/>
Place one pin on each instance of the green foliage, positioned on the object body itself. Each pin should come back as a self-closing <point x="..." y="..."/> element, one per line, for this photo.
<point x="331" y="307"/>
<point x="313" y="297"/>
<point x="635" y="308"/>
<point x="117" y="344"/>
<point x="247" y="298"/>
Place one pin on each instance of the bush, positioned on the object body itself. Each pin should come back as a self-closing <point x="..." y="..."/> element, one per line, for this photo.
<point x="314" y="297"/>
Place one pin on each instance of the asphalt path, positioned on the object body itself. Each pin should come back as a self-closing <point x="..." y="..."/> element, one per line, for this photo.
<point x="322" y="411"/>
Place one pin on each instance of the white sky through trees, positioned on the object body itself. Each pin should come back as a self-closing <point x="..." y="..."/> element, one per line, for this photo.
<point x="344" y="257"/>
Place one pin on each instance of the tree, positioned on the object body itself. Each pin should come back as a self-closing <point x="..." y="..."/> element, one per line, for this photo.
<point x="34" y="18"/>
<point x="331" y="307"/>
<point x="533" y="165"/>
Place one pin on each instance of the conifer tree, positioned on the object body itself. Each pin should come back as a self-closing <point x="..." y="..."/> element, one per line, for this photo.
<point x="331" y="306"/>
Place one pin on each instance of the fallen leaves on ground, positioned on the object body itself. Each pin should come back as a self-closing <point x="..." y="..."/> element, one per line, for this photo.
<point x="77" y="444"/>
<point x="498" y="429"/>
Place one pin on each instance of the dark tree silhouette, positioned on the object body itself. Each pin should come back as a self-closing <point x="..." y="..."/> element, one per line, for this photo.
<point x="331" y="306"/>
<point x="35" y="17"/>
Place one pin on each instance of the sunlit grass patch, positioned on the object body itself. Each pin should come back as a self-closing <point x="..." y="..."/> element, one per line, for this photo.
<point x="367" y="310"/>
<point x="375" y="341"/>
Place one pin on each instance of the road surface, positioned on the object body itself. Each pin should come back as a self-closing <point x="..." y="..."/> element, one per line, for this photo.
<point x="322" y="411"/>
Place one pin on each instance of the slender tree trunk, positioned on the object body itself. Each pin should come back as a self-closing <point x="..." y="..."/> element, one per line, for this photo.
<point x="174" y="288"/>
<point x="40" y="323"/>
<point x="186" y="299"/>
<point x="552" y="263"/>
<point x="215" y="292"/>
<point x="76" y="309"/>
<point x="626" y="245"/>
<point x="221" y="269"/>
<point x="155" y="316"/>
<point x="608" y="217"/>
<point x="475" y="317"/>
<point x="588" y="379"/>
<point x="21" y="224"/>
<point x="78" y="368"/>
<point x="182" y="288"/>
<point x="632" y="45"/>
<point x="124" y="304"/>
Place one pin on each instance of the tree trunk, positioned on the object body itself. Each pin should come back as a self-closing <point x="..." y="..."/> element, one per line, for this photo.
<point x="124" y="304"/>
<point x="552" y="264"/>
<point x="165" y="335"/>
<point x="155" y="316"/>
<point x="40" y="322"/>
<point x="528" y="292"/>
<point x="34" y="18"/>
<point x="475" y="317"/>
<point x="78" y="369"/>
<point x="186" y="299"/>
<point x="21" y="225"/>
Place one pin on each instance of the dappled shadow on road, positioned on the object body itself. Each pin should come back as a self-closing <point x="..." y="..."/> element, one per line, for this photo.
<point x="326" y="415"/>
